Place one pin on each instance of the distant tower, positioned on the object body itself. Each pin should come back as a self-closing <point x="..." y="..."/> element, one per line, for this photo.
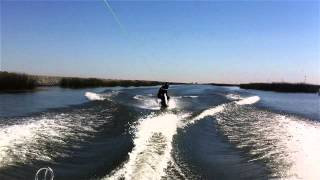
<point x="305" y="79"/>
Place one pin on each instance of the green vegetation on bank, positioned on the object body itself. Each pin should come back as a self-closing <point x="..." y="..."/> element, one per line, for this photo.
<point x="283" y="87"/>
<point x="16" y="81"/>
<point x="93" y="82"/>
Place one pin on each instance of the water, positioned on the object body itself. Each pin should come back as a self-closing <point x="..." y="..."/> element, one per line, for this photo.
<point x="17" y="104"/>
<point x="207" y="132"/>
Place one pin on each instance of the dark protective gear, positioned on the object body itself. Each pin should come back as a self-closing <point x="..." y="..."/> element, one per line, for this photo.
<point x="163" y="91"/>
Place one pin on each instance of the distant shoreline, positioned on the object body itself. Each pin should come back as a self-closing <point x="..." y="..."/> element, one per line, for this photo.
<point x="278" y="87"/>
<point x="221" y="84"/>
<point x="17" y="82"/>
<point x="283" y="87"/>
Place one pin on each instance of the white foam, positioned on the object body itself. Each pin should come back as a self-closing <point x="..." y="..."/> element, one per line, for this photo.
<point x="102" y="96"/>
<point x="153" y="144"/>
<point x="209" y="112"/>
<point x="303" y="143"/>
<point x="220" y="108"/>
<point x="153" y="103"/>
<point x="172" y="103"/>
<point x="94" y="96"/>
<point x="148" y="102"/>
<point x="22" y="143"/>
<point x="190" y="96"/>
<point x="249" y="100"/>
<point x="22" y="136"/>
<point x="179" y="97"/>
<point x="234" y="97"/>
<point x="139" y="97"/>
<point x="289" y="146"/>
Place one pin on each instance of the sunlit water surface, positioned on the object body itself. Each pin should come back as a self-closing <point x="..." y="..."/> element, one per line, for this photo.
<point x="207" y="132"/>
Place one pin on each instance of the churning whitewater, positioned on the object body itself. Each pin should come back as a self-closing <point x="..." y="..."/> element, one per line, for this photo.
<point x="153" y="142"/>
<point x="207" y="132"/>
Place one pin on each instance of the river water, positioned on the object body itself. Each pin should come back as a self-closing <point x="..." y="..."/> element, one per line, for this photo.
<point x="208" y="132"/>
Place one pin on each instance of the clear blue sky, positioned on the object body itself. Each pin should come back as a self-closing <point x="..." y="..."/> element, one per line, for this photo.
<point x="226" y="42"/>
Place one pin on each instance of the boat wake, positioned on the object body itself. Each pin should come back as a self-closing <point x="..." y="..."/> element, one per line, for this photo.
<point x="234" y="97"/>
<point x="288" y="145"/>
<point x="217" y="134"/>
<point x="94" y="96"/>
<point x="151" y="155"/>
<point x="45" y="137"/>
<point x="153" y="145"/>
<point x="153" y="103"/>
<point x="100" y="96"/>
<point x="222" y="107"/>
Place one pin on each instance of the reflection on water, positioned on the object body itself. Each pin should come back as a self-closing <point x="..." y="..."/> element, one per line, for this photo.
<point x="304" y="104"/>
<point x="18" y="104"/>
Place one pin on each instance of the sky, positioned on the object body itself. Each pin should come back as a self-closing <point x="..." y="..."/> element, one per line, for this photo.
<point x="185" y="41"/>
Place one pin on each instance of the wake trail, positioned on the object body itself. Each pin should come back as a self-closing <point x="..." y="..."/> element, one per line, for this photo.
<point x="288" y="145"/>
<point x="222" y="107"/>
<point x="153" y="143"/>
<point x="33" y="138"/>
<point x="100" y="96"/>
<point x="153" y="103"/>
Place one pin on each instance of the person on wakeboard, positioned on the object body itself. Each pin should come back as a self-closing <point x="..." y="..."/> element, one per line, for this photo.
<point x="163" y="94"/>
